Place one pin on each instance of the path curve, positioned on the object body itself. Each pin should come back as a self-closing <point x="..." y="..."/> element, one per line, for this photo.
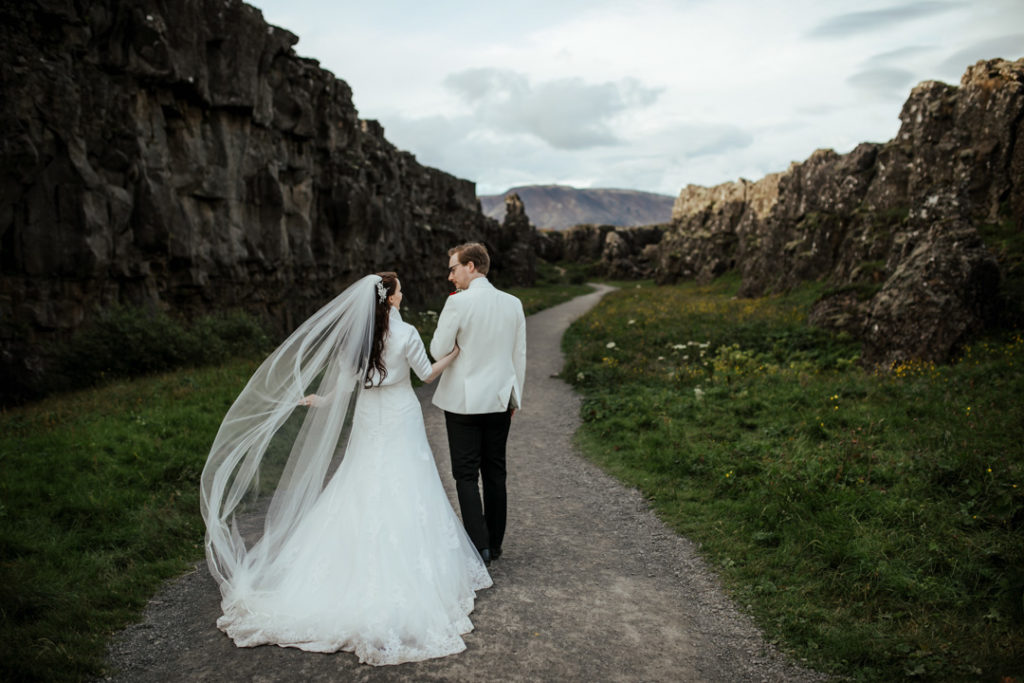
<point x="591" y="586"/>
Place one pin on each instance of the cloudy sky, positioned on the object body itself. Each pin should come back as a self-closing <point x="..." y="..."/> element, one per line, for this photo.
<point x="648" y="94"/>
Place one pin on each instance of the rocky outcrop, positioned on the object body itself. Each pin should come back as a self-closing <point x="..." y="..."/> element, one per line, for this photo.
<point x="182" y="156"/>
<point x="517" y="243"/>
<point x="580" y="243"/>
<point x="619" y="253"/>
<point x="895" y="228"/>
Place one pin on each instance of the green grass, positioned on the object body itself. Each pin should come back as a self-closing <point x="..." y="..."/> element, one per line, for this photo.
<point x="99" y="503"/>
<point x="872" y="523"/>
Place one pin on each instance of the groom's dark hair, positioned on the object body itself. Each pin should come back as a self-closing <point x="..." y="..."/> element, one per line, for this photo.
<point x="475" y="253"/>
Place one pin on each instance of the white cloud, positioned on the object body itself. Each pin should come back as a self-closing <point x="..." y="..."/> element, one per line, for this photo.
<point x="852" y="23"/>
<point x="566" y="113"/>
<point x="899" y="56"/>
<point x="883" y="81"/>
<point x="997" y="46"/>
<point x="650" y="95"/>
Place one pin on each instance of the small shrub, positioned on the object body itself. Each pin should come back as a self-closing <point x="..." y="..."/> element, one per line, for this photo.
<point x="129" y="342"/>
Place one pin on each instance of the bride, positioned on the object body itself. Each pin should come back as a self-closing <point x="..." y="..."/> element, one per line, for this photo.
<point x="364" y="555"/>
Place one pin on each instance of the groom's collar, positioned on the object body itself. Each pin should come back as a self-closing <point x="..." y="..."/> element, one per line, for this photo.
<point x="479" y="282"/>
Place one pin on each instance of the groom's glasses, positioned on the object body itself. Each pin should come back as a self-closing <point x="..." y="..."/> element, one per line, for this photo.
<point x="451" y="269"/>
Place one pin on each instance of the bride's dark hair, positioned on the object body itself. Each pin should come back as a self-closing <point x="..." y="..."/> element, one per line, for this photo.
<point x="381" y="315"/>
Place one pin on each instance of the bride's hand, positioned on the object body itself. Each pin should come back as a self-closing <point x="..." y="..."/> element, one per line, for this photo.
<point x="311" y="401"/>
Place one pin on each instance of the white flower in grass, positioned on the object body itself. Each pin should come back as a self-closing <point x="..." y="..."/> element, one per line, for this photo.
<point x="679" y="347"/>
<point x="631" y="322"/>
<point x="610" y="345"/>
<point x="698" y="393"/>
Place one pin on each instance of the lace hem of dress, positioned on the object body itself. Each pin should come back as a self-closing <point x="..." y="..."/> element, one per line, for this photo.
<point x="384" y="647"/>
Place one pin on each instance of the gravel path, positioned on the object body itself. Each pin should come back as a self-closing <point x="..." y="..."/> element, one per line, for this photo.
<point x="591" y="585"/>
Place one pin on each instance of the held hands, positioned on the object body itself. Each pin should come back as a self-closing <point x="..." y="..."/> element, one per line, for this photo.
<point x="450" y="358"/>
<point x="437" y="368"/>
<point x="311" y="401"/>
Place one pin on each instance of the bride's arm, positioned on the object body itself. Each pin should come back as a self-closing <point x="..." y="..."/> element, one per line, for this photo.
<point x="317" y="401"/>
<point x="437" y="368"/>
<point x="416" y="354"/>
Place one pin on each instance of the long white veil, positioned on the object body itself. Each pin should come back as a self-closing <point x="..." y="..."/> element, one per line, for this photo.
<point x="268" y="443"/>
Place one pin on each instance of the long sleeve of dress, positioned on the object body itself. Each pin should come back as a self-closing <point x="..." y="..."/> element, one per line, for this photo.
<point x="417" y="356"/>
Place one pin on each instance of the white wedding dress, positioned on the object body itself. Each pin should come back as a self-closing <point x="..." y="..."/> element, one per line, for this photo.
<point x="380" y="565"/>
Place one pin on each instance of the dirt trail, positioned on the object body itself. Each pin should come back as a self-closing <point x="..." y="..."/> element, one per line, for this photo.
<point x="591" y="586"/>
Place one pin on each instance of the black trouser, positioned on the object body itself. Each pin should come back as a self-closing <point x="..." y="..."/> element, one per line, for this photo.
<point x="477" y="447"/>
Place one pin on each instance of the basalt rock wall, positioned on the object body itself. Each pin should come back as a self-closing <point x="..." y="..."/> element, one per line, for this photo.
<point x="897" y="229"/>
<point x="180" y="155"/>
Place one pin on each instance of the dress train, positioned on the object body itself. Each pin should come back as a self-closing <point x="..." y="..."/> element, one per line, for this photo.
<point x="381" y="566"/>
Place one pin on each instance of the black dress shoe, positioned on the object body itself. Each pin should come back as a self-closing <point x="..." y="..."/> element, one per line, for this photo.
<point x="485" y="555"/>
<point x="496" y="553"/>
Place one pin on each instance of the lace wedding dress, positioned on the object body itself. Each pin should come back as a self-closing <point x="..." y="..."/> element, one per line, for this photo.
<point x="378" y="564"/>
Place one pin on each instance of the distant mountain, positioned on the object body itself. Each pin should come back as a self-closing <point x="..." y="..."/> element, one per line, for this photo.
<point x="561" y="207"/>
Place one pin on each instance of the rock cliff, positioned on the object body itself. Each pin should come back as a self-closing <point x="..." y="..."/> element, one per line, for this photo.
<point x="182" y="156"/>
<point x="518" y="241"/>
<point x="898" y="230"/>
<point x="615" y="252"/>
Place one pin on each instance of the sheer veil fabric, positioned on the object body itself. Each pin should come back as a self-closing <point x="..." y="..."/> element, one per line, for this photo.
<point x="327" y="355"/>
<point x="360" y="550"/>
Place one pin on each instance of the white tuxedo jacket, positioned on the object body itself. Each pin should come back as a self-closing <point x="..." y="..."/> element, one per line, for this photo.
<point x="490" y="329"/>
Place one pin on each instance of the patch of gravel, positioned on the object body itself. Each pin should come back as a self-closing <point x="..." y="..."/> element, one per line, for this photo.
<point x="592" y="585"/>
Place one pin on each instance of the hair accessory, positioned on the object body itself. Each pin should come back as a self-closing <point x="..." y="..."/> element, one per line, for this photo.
<point x="382" y="294"/>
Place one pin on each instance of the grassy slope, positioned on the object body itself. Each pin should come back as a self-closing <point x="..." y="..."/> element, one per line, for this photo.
<point x="871" y="522"/>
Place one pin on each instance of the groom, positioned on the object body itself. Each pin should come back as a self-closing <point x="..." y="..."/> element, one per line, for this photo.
<point x="481" y="390"/>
